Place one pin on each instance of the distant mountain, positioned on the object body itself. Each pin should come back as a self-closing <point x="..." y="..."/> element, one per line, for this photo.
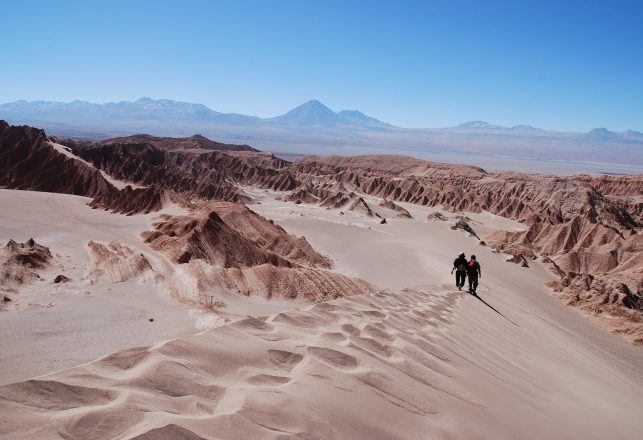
<point x="143" y="109"/>
<point x="632" y="134"/>
<point x="600" y="133"/>
<point x="146" y="113"/>
<point x="524" y="128"/>
<point x="482" y="125"/>
<point x="360" y="118"/>
<point x="478" y="124"/>
<point x="314" y="113"/>
<point x="605" y="135"/>
<point x="310" y="113"/>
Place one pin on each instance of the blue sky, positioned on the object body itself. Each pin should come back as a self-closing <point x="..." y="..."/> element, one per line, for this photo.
<point x="565" y="65"/>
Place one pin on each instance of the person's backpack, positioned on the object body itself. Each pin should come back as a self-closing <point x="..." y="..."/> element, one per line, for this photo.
<point x="472" y="266"/>
<point x="462" y="267"/>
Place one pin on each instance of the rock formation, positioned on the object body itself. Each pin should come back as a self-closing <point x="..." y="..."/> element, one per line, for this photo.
<point x="229" y="247"/>
<point x="115" y="263"/>
<point x="130" y="200"/>
<point x="29" y="162"/>
<point x="202" y="174"/>
<point x="437" y="217"/>
<point x="359" y="205"/>
<point x="230" y="235"/>
<point x="461" y="223"/>
<point x="518" y="259"/>
<point x="400" y="212"/>
<point x="196" y="142"/>
<point x="20" y="264"/>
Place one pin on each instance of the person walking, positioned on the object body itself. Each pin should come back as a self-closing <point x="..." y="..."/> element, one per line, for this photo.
<point x="460" y="267"/>
<point x="473" y="272"/>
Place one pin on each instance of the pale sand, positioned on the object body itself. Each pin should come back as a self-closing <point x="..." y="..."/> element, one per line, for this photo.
<point x="49" y="327"/>
<point x="429" y="362"/>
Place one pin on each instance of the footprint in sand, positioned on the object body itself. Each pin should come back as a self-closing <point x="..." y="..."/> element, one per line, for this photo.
<point x="54" y="395"/>
<point x="377" y="332"/>
<point x="351" y="329"/>
<point x="371" y="346"/>
<point x="296" y="320"/>
<point x="267" y="379"/>
<point x="333" y="336"/>
<point x="334" y="357"/>
<point x="285" y="360"/>
<point x="254" y="324"/>
<point x="374" y="314"/>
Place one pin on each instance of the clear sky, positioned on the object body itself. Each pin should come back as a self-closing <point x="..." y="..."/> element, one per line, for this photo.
<point x="566" y="65"/>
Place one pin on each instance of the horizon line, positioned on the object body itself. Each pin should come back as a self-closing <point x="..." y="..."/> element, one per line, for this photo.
<point x="315" y="100"/>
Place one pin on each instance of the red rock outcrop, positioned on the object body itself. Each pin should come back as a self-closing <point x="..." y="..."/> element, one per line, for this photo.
<point x="229" y="247"/>
<point x="210" y="175"/>
<point x="29" y="162"/>
<point x="462" y="224"/>
<point x="359" y="205"/>
<point x="115" y="263"/>
<point x="195" y="142"/>
<point x="230" y="235"/>
<point x="400" y="212"/>
<point x="19" y="264"/>
<point x="130" y="200"/>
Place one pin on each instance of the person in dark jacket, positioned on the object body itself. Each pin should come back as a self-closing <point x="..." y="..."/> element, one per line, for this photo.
<point x="460" y="267"/>
<point x="473" y="272"/>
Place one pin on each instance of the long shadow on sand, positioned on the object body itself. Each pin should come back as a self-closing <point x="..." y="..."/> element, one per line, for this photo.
<point x="494" y="309"/>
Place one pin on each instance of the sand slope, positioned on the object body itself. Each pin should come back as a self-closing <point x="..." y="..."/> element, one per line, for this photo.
<point x="421" y="362"/>
<point x="406" y="363"/>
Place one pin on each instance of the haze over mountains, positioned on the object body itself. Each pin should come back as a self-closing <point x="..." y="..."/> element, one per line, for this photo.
<point x="314" y="128"/>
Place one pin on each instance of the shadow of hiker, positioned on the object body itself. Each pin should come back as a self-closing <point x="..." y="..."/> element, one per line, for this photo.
<point x="494" y="309"/>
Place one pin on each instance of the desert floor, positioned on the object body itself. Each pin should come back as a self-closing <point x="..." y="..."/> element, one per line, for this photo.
<point x="419" y="359"/>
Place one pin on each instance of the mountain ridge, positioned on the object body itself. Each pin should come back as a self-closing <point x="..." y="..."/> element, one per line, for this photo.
<point x="314" y="128"/>
<point x="304" y="114"/>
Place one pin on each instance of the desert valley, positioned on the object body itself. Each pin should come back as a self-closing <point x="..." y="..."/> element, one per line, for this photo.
<point x="183" y="288"/>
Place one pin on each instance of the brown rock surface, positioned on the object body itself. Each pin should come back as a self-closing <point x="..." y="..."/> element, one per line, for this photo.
<point x="195" y="142"/>
<point x="115" y="263"/>
<point x="230" y="235"/>
<point x="462" y="224"/>
<point x="20" y="263"/>
<point x="202" y="174"/>
<point x="29" y="162"/>
<point x="400" y="212"/>
<point x="130" y="200"/>
<point x="359" y="205"/>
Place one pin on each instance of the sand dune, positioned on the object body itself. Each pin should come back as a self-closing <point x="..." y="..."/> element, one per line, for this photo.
<point x="421" y="362"/>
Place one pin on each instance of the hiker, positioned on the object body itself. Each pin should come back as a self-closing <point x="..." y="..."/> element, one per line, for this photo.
<point x="460" y="267"/>
<point x="473" y="271"/>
